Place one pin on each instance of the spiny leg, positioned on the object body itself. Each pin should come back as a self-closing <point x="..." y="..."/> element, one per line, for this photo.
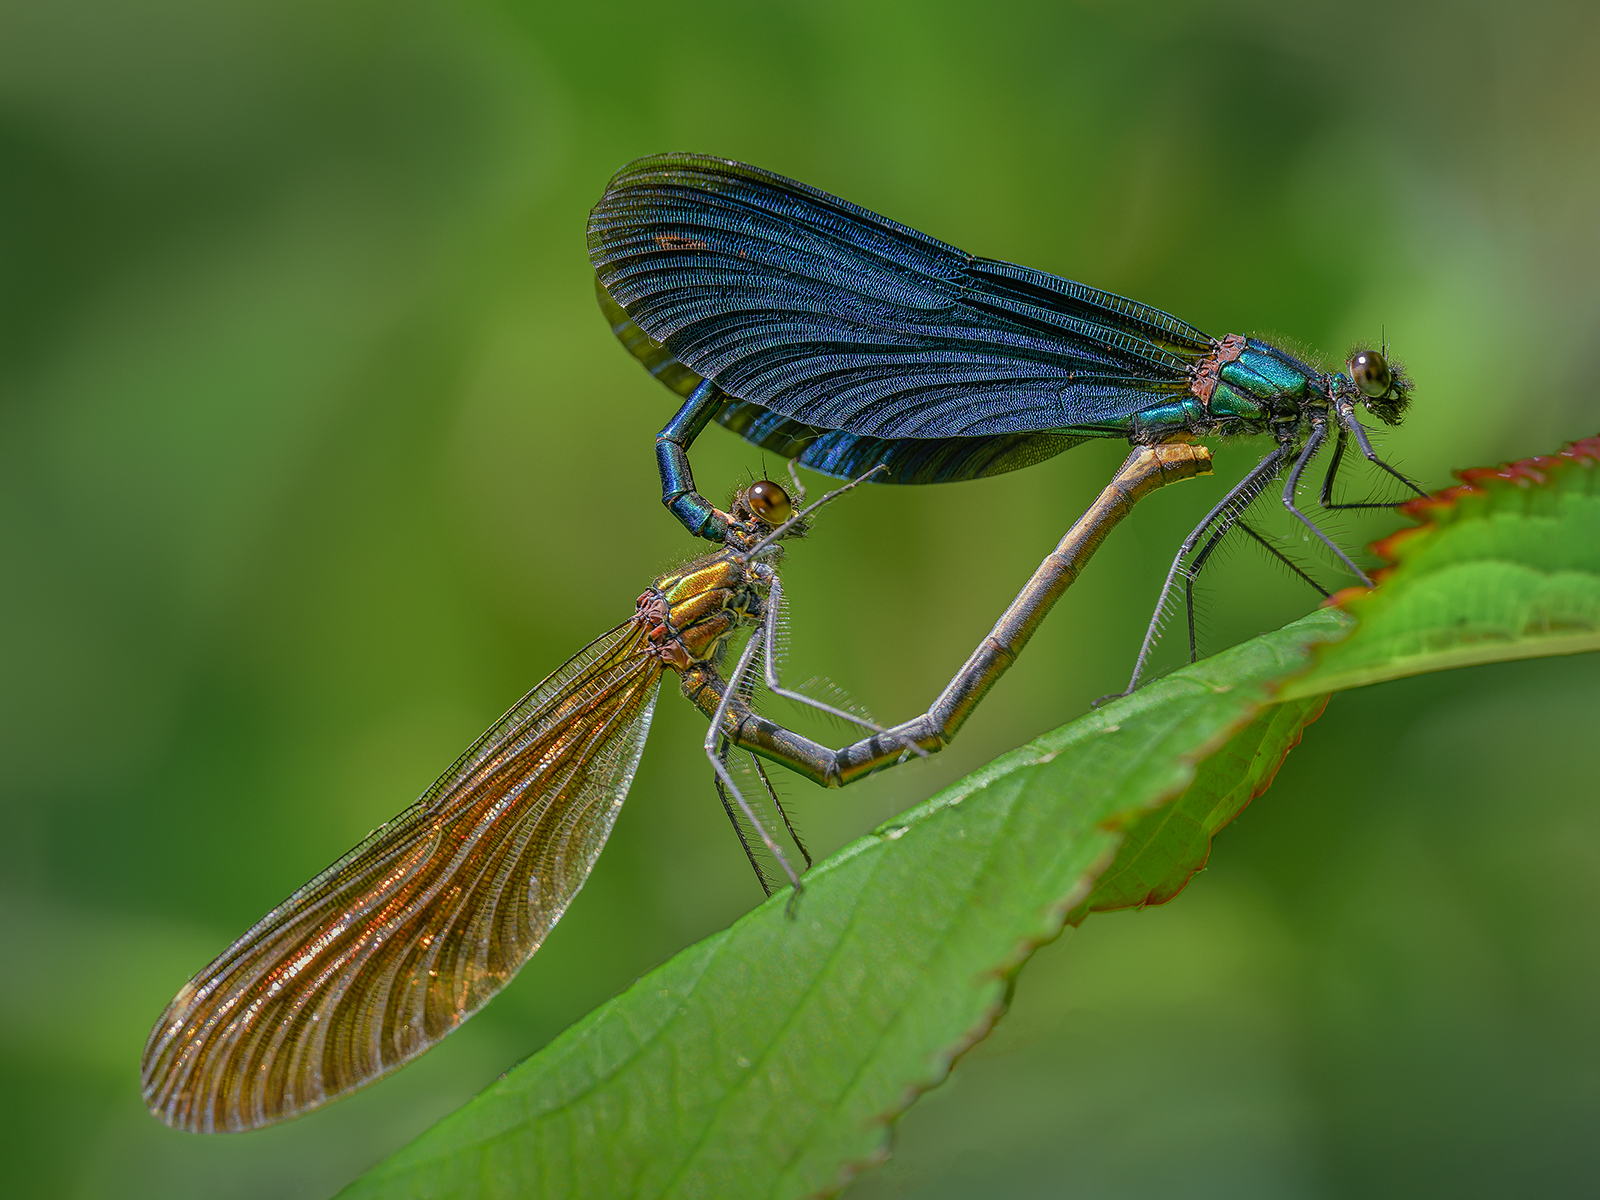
<point x="1267" y="545"/>
<point x="733" y="819"/>
<point x="717" y="765"/>
<point x="1347" y="421"/>
<point x="1319" y="435"/>
<point x="772" y="794"/>
<point x="1189" y="576"/>
<point x="770" y="665"/>
<point x="1193" y="573"/>
<point x="1226" y="512"/>
<point x="1325" y="498"/>
<point x="746" y="686"/>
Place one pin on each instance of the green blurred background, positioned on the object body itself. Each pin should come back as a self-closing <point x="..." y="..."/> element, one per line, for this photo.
<point x="316" y="454"/>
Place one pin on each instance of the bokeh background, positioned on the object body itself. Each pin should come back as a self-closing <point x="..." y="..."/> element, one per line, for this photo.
<point x="315" y="454"/>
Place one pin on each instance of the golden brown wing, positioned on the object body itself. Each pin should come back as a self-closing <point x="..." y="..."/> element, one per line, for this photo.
<point x="406" y="936"/>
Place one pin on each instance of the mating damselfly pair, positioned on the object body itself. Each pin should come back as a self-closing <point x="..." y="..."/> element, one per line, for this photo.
<point x="854" y="346"/>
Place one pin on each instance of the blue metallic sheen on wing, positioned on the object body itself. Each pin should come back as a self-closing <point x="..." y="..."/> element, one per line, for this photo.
<point x="905" y="460"/>
<point x="821" y="311"/>
<point x="836" y="452"/>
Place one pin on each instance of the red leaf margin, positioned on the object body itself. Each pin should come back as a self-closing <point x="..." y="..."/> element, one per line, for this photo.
<point x="1475" y="481"/>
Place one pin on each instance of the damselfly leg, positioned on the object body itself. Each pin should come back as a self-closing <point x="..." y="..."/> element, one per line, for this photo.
<point x="726" y="787"/>
<point x="1222" y="518"/>
<point x="1314" y="443"/>
<point x="723" y="751"/>
<point x="740" y="683"/>
<point x="1325" y="498"/>
<point x="1192" y="575"/>
<point x="1228" y="515"/>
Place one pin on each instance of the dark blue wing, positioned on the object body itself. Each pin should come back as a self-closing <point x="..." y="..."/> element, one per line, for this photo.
<point x="835" y="451"/>
<point x="821" y="311"/>
<point x="846" y="455"/>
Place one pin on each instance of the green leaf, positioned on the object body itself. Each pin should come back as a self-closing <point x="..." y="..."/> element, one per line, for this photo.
<point x="1164" y="848"/>
<point x="768" y="1060"/>
<point x="1507" y="566"/>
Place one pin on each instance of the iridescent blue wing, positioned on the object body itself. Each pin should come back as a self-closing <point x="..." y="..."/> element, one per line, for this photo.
<point x="818" y="310"/>
<point x="834" y="451"/>
<point x="847" y="455"/>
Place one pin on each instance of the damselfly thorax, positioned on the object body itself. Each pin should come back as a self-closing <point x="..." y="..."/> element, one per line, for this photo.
<point x="688" y="615"/>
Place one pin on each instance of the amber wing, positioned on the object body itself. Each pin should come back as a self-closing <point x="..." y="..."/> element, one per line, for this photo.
<point x="407" y="935"/>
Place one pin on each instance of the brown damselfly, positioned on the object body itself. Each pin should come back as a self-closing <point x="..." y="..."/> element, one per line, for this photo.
<point x="399" y="941"/>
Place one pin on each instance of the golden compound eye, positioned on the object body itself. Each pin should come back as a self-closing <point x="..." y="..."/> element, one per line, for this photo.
<point x="1371" y="373"/>
<point x="769" y="502"/>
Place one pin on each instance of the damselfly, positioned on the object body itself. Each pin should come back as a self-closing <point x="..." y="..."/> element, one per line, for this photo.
<point x="399" y="941"/>
<point x="824" y="332"/>
<point x="408" y="934"/>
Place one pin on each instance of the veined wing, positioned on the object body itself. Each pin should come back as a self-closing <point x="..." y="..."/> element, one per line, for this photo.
<point x="837" y="452"/>
<point x="407" y="935"/>
<point x="823" y="311"/>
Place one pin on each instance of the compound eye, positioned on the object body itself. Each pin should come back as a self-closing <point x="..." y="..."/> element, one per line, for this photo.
<point x="769" y="502"/>
<point x="1371" y="373"/>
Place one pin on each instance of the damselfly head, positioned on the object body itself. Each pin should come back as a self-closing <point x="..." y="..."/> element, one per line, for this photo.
<point x="757" y="511"/>
<point x="1381" y="384"/>
<point x="751" y="533"/>
<point x="769" y="502"/>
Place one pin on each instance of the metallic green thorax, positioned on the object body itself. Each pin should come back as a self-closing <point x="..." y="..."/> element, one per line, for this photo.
<point x="1244" y="386"/>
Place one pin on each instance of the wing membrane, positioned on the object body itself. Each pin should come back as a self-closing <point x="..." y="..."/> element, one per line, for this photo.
<point x="834" y="451"/>
<point x="412" y="931"/>
<point x="822" y="311"/>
